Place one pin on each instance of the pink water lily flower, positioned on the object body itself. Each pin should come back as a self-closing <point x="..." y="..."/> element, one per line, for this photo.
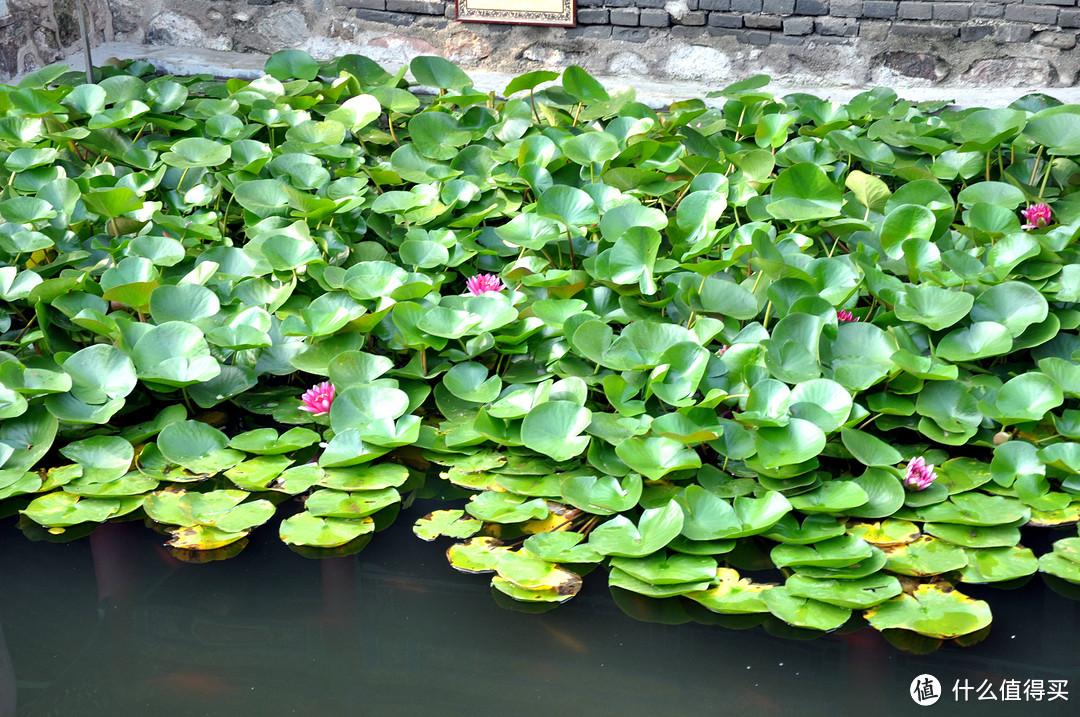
<point x="1037" y="215"/>
<point x="845" y="315"/>
<point x="919" y="475"/>
<point x="318" y="398"/>
<point x="483" y="283"/>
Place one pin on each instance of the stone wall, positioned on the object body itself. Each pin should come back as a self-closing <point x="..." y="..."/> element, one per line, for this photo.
<point x="814" y="42"/>
<point x="34" y="33"/>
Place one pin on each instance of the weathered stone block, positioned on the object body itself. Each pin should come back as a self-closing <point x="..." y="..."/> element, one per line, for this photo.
<point x="951" y="11"/>
<point x="1066" y="3"/>
<point x="717" y="19"/>
<point x="592" y="16"/>
<point x="798" y="25"/>
<point x="881" y="9"/>
<point x="846" y="8"/>
<point x="1014" y="33"/>
<point x="755" y="37"/>
<point x="912" y="64"/>
<point x="627" y="34"/>
<point x="366" y="4"/>
<point x="696" y="18"/>
<point x="914" y="10"/>
<point x="390" y="18"/>
<point x="651" y="17"/>
<point x="1040" y="14"/>
<point x="683" y="32"/>
<point x="746" y="6"/>
<point x="971" y="33"/>
<point x="763" y="22"/>
<point x="625" y="16"/>
<point x="650" y="3"/>
<point x="417" y="7"/>
<point x="1056" y="38"/>
<point x="590" y="32"/>
<point x="837" y="26"/>
<point x="715" y="4"/>
<point x="778" y="7"/>
<point x="811" y="7"/>
<point x="874" y="30"/>
<point x="1069" y="18"/>
<point x="921" y="30"/>
<point x="988" y="10"/>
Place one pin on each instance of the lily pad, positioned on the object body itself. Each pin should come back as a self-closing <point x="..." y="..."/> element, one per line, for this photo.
<point x="933" y="611"/>
<point x="307" y="529"/>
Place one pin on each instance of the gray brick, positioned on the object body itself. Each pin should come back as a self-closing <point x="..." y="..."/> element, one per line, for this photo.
<point x="846" y="8"/>
<point x="746" y="5"/>
<point x="650" y="3"/>
<point x="924" y="31"/>
<point x="625" y="16"/>
<point x="984" y="9"/>
<point x="415" y="7"/>
<point x="589" y="3"/>
<point x="778" y="7"/>
<point x="654" y="18"/>
<point x="619" y="3"/>
<point x="717" y="19"/>
<point x="880" y="9"/>
<point x="811" y="7"/>
<point x="1069" y="18"/>
<point x="798" y="25"/>
<point x="1064" y="3"/>
<point x="951" y="11"/>
<point x="837" y="26"/>
<point x="628" y="34"/>
<point x="971" y="33"/>
<point x="683" y="32"/>
<point x="715" y="4"/>
<point x="1014" y="33"/>
<point x="591" y="32"/>
<point x="763" y="22"/>
<point x="756" y="37"/>
<point x="692" y="4"/>
<point x="914" y="10"/>
<point x="1058" y="39"/>
<point x="696" y="19"/>
<point x="1040" y="14"/>
<point x="390" y="18"/>
<point x="366" y="4"/>
<point x="592" y="16"/>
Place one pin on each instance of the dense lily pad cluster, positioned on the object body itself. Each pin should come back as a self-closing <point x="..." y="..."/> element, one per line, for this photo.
<point x="800" y="339"/>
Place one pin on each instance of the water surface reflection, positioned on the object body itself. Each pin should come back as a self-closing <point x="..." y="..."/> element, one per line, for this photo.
<point x="115" y="625"/>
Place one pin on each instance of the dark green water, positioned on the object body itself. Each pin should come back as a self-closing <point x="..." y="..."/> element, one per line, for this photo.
<point x="114" y="625"/>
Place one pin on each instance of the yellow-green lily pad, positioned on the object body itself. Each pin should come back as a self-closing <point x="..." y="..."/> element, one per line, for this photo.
<point x="995" y="565"/>
<point x="976" y="508"/>
<point x="266" y="441"/>
<point x="932" y="611"/>
<point x="863" y="568"/>
<point x="499" y="507"/>
<point x="852" y="594"/>
<point x="682" y="544"/>
<point x="1050" y="518"/>
<point x="1068" y="548"/>
<point x="925" y="556"/>
<point x="60" y="510"/>
<point x="297" y="480"/>
<point x="1060" y="566"/>
<point x="561" y="548"/>
<point x="134" y="483"/>
<point x="539" y="595"/>
<point x="203" y="537"/>
<point x="885" y="532"/>
<point x="476" y="555"/>
<point x="831" y="497"/>
<point x="18" y="482"/>
<point x="528" y="571"/>
<point x="257" y="473"/>
<point x="734" y="595"/>
<point x="450" y="523"/>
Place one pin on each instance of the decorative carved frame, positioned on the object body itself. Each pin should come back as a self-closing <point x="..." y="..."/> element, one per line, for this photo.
<point x="517" y="12"/>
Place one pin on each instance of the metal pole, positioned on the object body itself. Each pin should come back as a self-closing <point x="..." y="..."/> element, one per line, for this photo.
<point x="86" y="41"/>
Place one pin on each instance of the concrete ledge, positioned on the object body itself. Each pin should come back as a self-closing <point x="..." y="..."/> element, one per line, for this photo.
<point x="191" y="60"/>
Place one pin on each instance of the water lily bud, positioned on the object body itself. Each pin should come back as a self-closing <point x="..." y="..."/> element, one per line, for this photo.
<point x="1001" y="437"/>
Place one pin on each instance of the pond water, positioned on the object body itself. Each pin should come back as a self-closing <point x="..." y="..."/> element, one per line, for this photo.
<point x="113" y="624"/>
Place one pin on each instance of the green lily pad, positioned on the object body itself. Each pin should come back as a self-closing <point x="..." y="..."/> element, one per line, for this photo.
<point x="451" y="523"/>
<point x="992" y="565"/>
<point x="307" y="529"/>
<point x="499" y="507"/>
<point x="620" y="579"/>
<point x="887" y="532"/>
<point x="661" y="568"/>
<point x="803" y="611"/>
<point x="836" y="552"/>
<point x="561" y="548"/>
<point x="851" y="594"/>
<point x="925" y="556"/>
<point x="814" y="528"/>
<point x="620" y="536"/>
<point x="476" y="555"/>
<point x="258" y="473"/>
<point x="971" y="536"/>
<point x="734" y="595"/>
